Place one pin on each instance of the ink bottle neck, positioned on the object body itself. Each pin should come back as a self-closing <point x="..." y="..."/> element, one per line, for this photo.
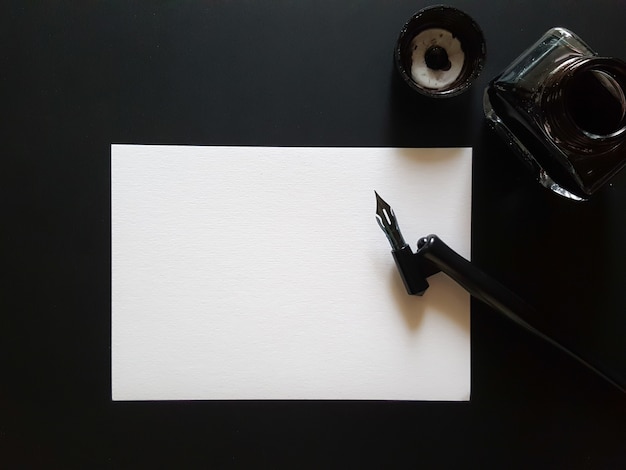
<point x="584" y="103"/>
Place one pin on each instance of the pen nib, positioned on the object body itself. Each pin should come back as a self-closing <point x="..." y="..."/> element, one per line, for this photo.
<point x="388" y="223"/>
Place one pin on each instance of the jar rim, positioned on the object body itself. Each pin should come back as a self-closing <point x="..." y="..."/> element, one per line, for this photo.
<point x="460" y="25"/>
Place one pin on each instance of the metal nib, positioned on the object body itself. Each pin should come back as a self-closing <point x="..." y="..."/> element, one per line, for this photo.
<point x="388" y="223"/>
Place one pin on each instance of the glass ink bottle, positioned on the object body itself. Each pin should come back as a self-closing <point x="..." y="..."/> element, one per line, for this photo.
<point x="562" y="108"/>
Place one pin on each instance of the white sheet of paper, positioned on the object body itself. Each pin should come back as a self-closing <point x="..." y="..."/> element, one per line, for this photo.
<point x="261" y="273"/>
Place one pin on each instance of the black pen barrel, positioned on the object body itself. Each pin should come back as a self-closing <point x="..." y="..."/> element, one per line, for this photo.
<point x="473" y="279"/>
<point x="489" y="291"/>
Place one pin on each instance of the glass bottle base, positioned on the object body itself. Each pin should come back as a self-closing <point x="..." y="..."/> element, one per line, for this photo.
<point x="541" y="175"/>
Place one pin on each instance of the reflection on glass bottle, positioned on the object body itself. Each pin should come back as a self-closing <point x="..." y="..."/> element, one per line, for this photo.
<point x="563" y="109"/>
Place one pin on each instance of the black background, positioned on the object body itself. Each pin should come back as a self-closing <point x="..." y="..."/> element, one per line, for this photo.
<point x="78" y="76"/>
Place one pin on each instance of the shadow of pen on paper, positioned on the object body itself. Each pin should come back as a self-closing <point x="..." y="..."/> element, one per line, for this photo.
<point x="444" y="297"/>
<point x="410" y="307"/>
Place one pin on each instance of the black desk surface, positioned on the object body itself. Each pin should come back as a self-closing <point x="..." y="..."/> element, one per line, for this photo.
<point x="78" y="76"/>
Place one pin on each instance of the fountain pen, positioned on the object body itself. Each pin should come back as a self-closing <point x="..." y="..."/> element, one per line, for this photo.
<point x="433" y="256"/>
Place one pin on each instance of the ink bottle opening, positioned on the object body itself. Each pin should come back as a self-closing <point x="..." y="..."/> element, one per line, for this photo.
<point x="440" y="52"/>
<point x="563" y="110"/>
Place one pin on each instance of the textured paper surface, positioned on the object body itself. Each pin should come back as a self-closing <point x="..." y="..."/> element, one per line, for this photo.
<point x="261" y="273"/>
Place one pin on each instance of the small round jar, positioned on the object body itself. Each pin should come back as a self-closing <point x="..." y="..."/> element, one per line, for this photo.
<point x="440" y="52"/>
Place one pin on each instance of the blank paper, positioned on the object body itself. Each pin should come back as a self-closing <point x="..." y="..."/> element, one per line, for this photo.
<point x="260" y="273"/>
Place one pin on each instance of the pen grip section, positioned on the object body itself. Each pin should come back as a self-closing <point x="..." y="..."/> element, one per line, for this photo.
<point x="411" y="270"/>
